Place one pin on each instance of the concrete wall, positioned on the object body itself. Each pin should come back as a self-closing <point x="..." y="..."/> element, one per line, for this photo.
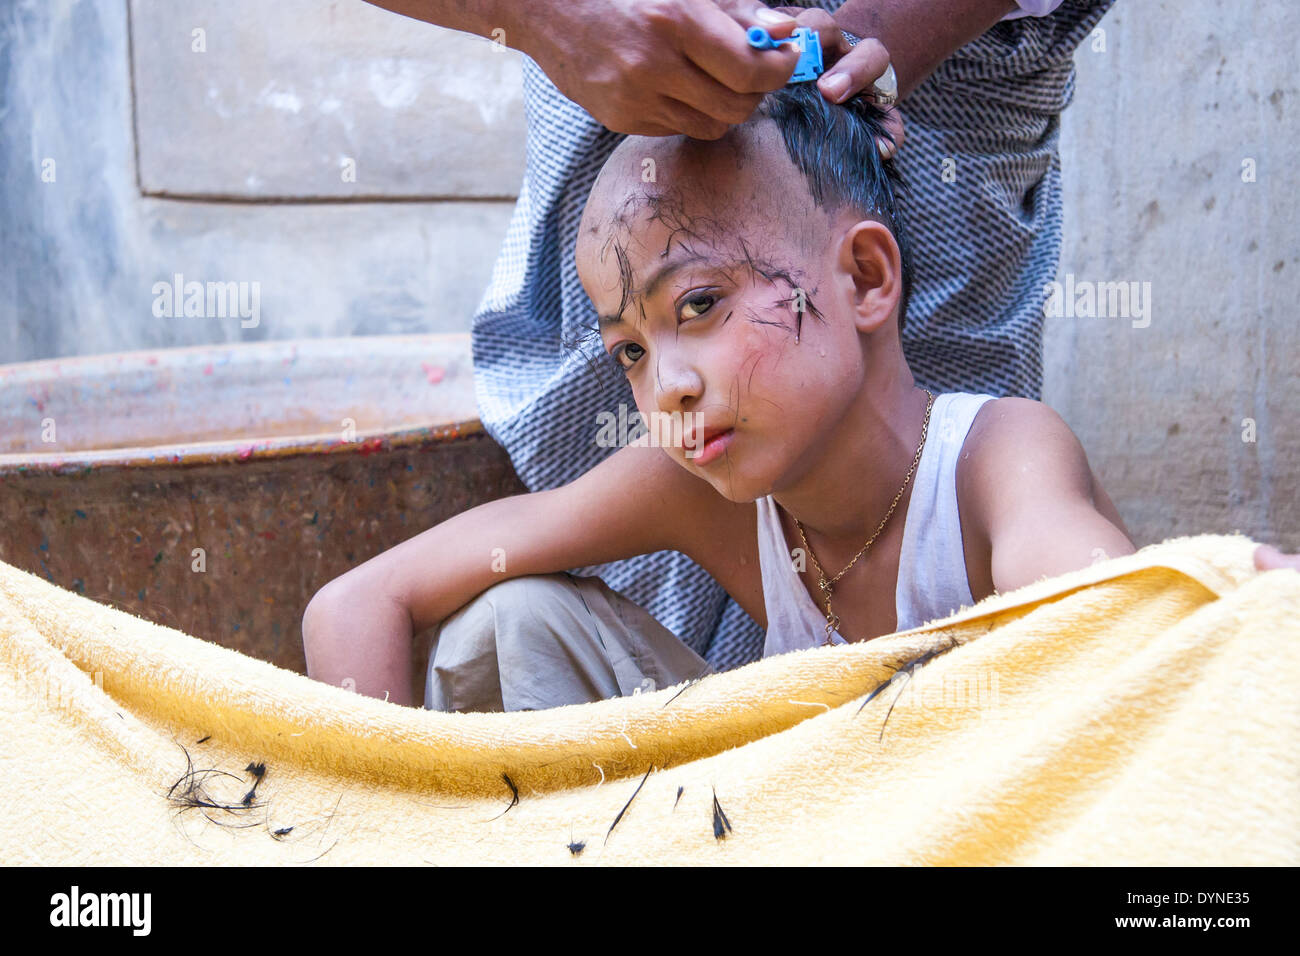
<point x="1178" y="158"/>
<point x="360" y="167"/>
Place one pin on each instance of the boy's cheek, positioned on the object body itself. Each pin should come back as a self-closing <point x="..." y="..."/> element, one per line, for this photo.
<point x="761" y="366"/>
<point x="644" y="401"/>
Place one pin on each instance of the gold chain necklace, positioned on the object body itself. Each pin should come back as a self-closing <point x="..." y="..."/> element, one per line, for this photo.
<point x="825" y="584"/>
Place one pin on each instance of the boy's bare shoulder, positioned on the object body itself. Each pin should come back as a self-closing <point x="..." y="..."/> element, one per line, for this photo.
<point x="1019" y="450"/>
<point x="1034" y="506"/>
<point x="1012" y="419"/>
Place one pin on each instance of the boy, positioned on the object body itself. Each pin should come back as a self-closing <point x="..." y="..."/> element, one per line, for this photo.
<point x="752" y="289"/>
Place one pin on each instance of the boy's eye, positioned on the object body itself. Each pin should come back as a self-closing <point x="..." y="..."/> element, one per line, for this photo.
<point x="697" y="305"/>
<point x="627" y="353"/>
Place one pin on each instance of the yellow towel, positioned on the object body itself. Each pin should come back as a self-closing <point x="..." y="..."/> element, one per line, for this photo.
<point x="1140" y="711"/>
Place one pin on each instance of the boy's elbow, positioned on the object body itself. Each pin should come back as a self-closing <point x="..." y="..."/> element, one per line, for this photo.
<point x="315" y="612"/>
<point x="315" y="619"/>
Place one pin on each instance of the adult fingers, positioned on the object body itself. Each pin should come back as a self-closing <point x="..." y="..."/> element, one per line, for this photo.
<point x="850" y="70"/>
<point x="855" y="71"/>
<point x="649" y="129"/>
<point x="716" y="42"/>
<point x="681" y="117"/>
<point x="1269" y="558"/>
<point x="893" y="122"/>
<point x="689" y="84"/>
<point x="828" y="31"/>
<point x="852" y="75"/>
<point x="778" y="21"/>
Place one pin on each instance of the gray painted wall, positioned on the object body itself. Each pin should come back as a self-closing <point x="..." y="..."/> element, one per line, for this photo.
<point x="360" y="167"/>
<point x="253" y="133"/>
<point x="1188" y="103"/>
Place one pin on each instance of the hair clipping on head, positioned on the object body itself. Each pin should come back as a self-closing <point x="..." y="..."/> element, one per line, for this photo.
<point x="805" y="40"/>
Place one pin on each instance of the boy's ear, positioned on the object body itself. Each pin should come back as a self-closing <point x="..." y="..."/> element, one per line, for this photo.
<point x="870" y="257"/>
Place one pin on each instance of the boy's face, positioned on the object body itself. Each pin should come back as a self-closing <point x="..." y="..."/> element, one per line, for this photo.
<point x="722" y="292"/>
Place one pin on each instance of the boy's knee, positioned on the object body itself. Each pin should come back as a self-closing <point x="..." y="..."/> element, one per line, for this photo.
<point x="551" y="639"/>
<point x="512" y="595"/>
<point x="511" y="600"/>
<point x="506" y="620"/>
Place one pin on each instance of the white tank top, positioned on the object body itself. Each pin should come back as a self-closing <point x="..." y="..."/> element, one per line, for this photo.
<point x="931" y="565"/>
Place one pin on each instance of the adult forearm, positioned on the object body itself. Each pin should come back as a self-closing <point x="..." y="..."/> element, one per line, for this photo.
<point x="920" y="34"/>
<point x="470" y="16"/>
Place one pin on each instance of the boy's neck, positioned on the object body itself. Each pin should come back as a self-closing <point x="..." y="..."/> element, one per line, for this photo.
<point x="841" y="497"/>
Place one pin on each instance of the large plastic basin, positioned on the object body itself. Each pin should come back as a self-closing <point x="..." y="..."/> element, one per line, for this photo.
<point x="215" y="489"/>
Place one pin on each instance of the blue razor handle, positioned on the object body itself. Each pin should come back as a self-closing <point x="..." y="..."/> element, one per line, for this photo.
<point x="805" y="40"/>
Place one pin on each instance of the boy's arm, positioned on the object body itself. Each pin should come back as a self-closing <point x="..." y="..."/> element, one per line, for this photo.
<point x="359" y="627"/>
<point x="1038" y="503"/>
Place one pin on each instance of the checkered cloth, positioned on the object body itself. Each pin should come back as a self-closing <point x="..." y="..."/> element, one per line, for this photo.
<point x="984" y="213"/>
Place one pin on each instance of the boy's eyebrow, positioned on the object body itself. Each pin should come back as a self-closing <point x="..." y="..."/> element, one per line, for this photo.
<point x="657" y="278"/>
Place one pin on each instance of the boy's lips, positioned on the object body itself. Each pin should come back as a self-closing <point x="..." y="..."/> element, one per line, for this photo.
<point x="714" y="442"/>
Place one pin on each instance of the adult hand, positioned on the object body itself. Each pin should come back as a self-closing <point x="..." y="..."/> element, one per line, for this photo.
<point x="658" y="67"/>
<point x="1269" y="558"/>
<point x="850" y="70"/>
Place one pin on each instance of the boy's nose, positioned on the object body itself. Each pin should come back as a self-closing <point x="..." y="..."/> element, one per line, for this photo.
<point x="678" y="384"/>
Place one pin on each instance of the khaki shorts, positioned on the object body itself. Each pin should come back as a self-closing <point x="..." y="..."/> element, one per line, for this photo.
<point x="547" y="640"/>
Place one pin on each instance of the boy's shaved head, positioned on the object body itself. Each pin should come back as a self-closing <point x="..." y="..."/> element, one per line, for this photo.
<point x="751" y="282"/>
<point x="744" y="175"/>
<point x="781" y="175"/>
<point x="724" y="200"/>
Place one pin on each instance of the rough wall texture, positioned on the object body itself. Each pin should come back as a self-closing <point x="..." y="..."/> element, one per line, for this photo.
<point x="129" y="156"/>
<point x="258" y="100"/>
<point x="253" y="131"/>
<point x="1179" y="171"/>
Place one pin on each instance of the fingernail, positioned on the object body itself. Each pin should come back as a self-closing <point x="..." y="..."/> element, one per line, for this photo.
<point x="773" y="16"/>
<point x="886" y="149"/>
<point x="836" y="85"/>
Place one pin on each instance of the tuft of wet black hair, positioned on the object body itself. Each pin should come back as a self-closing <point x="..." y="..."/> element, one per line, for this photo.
<point x="834" y="147"/>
